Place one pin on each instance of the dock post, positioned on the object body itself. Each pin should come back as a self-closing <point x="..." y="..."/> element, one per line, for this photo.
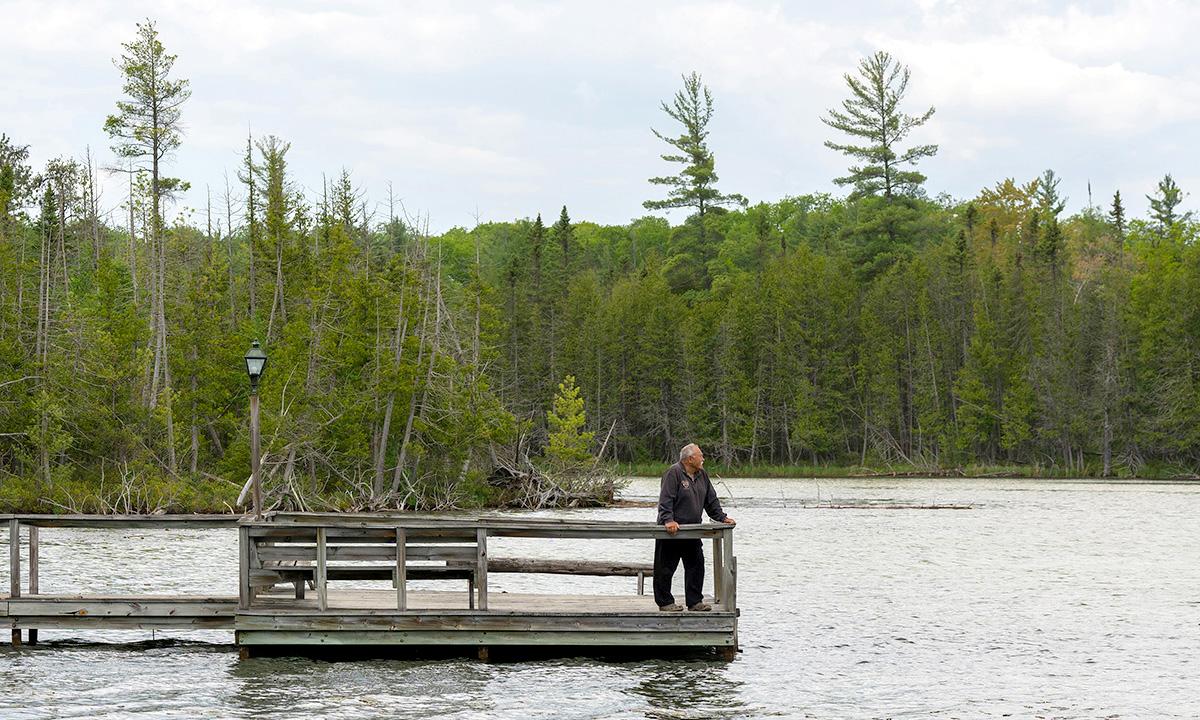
<point x="322" y="588"/>
<point x="401" y="571"/>
<point x="481" y="567"/>
<point x="33" y="574"/>
<point x="244" y="568"/>
<point x="729" y="576"/>
<point x="718" y="568"/>
<point x="14" y="568"/>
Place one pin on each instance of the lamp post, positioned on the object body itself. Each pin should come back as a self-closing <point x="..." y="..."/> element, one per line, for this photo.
<point x="256" y="360"/>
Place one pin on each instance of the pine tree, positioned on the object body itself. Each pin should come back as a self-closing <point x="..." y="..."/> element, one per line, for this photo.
<point x="569" y="443"/>
<point x="148" y="128"/>
<point x="1116" y="215"/>
<point x="695" y="185"/>
<point x="872" y="113"/>
<point x="1049" y="200"/>
<point x="1163" y="206"/>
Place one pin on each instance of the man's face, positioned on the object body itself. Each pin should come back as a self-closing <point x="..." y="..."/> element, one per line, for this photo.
<point x="695" y="461"/>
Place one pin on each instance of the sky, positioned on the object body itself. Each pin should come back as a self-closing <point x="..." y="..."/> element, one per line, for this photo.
<point x="478" y="111"/>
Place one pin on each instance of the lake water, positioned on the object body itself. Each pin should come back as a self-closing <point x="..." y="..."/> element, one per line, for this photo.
<point x="1046" y="599"/>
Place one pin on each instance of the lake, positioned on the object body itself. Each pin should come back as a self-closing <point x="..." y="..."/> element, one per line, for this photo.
<point x="1052" y="599"/>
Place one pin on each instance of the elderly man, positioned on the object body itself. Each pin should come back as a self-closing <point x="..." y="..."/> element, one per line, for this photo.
<point x="685" y="490"/>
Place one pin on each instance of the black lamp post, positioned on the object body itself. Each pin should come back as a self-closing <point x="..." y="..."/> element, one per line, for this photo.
<point x="256" y="360"/>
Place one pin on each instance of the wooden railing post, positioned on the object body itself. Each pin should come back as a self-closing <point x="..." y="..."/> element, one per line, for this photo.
<point x="729" y="581"/>
<point x="14" y="568"/>
<point x="244" y="568"/>
<point x="481" y="567"/>
<point x="33" y="574"/>
<point x="401" y="571"/>
<point x="718" y="567"/>
<point x="322" y="588"/>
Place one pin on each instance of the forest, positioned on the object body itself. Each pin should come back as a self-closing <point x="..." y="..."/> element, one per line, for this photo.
<point x="888" y="329"/>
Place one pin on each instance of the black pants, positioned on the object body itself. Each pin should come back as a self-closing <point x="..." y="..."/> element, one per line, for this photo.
<point x="667" y="554"/>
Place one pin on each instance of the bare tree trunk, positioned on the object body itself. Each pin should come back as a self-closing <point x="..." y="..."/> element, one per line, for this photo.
<point x="385" y="432"/>
<point x="132" y="240"/>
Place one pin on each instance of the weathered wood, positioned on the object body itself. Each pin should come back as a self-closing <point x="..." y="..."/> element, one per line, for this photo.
<point x="512" y="622"/>
<point x="244" y="567"/>
<point x="33" y="560"/>
<point x="14" y="558"/>
<point x="568" y="567"/>
<point x="322" y="578"/>
<point x="33" y="574"/>
<point x="401" y="566"/>
<point x="128" y="522"/>
<point x="377" y="553"/>
<point x="718" y="567"/>
<point x="475" y="638"/>
<point x="481" y="582"/>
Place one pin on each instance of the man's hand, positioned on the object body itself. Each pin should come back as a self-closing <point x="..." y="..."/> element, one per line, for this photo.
<point x="729" y="521"/>
<point x="672" y="527"/>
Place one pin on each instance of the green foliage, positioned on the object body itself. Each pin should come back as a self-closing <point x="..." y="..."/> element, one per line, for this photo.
<point x="872" y="116"/>
<point x="568" y="445"/>
<point x="695" y="185"/>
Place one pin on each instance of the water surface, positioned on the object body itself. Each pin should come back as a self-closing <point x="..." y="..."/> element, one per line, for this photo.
<point x="1055" y="599"/>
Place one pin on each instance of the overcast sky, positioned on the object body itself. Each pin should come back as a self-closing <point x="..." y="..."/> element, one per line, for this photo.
<point x="510" y="109"/>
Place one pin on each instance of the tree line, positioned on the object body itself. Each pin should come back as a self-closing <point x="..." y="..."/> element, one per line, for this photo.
<point x="885" y="328"/>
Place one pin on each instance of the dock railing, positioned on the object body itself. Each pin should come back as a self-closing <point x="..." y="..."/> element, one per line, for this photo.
<point x="310" y="549"/>
<point x="33" y="523"/>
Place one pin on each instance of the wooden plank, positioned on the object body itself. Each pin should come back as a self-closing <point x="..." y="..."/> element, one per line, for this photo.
<point x="33" y="575"/>
<point x="179" y="608"/>
<point x="365" y="553"/>
<point x="471" y="638"/>
<point x="652" y="624"/>
<point x="401" y="567"/>
<point x="729" y="581"/>
<point x="481" y="567"/>
<point x="68" y="622"/>
<point x="244" y="591"/>
<point x="128" y="522"/>
<point x="568" y="567"/>
<point x="322" y="578"/>
<point x="14" y="558"/>
<point x="718" y="567"/>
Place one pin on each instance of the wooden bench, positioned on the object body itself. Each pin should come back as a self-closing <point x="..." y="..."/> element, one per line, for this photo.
<point x="312" y="557"/>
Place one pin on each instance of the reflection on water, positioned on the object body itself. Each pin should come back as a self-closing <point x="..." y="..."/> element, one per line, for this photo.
<point x="1046" y="599"/>
<point x="691" y="690"/>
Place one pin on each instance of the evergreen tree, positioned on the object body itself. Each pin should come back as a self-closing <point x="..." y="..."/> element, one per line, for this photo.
<point x="695" y="185"/>
<point x="872" y="115"/>
<point x="1116" y="215"/>
<point x="568" y="441"/>
<point x="1049" y="200"/>
<point x="1163" y="206"/>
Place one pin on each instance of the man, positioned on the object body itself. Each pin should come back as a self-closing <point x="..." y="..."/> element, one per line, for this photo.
<point x="685" y="490"/>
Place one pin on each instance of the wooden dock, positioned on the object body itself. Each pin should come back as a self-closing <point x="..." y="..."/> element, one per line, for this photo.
<point x="290" y="591"/>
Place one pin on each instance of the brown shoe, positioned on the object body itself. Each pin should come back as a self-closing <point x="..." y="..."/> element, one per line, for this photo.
<point x="673" y="607"/>
<point x="700" y="607"/>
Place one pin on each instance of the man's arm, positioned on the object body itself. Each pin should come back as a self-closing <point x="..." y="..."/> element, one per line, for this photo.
<point x="666" y="498"/>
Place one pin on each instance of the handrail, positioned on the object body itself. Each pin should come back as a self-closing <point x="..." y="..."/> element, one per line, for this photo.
<point x="403" y="529"/>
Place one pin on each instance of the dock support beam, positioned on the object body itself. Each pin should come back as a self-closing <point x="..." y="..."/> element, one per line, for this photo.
<point x="401" y="571"/>
<point x="481" y="567"/>
<point x="14" y="568"/>
<point x="33" y="575"/>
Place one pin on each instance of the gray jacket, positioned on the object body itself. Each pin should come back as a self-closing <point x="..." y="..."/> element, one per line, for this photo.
<point x="681" y="498"/>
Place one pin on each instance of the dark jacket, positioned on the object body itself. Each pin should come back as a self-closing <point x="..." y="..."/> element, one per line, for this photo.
<point x="681" y="498"/>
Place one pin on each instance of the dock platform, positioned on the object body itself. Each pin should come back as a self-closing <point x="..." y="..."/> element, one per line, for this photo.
<point x="290" y="593"/>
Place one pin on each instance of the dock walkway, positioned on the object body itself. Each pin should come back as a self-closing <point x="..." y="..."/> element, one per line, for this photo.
<point x="289" y="592"/>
